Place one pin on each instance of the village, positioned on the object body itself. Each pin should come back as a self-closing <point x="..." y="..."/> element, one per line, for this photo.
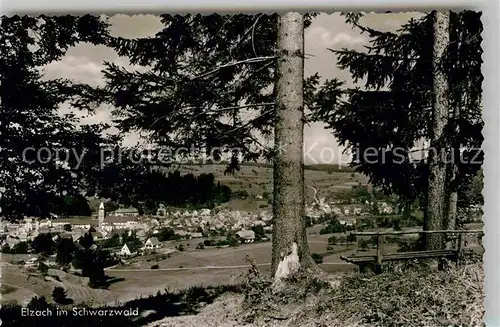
<point x="195" y="224"/>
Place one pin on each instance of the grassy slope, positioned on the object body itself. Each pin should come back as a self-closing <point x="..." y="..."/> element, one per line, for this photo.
<point x="258" y="178"/>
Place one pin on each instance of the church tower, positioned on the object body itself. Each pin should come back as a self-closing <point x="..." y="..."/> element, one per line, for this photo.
<point x="101" y="217"/>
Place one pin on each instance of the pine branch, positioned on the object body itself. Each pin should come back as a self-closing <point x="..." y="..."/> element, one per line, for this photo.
<point x="370" y="55"/>
<point x="250" y="122"/>
<point x="230" y="64"/>
<point x="252" y="105"/>
<point x="247" y="32"/>
<point x="253" y="34"/>
<point x="265" y="104"/>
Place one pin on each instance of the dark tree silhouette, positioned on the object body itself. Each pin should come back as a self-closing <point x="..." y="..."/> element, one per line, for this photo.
<point x="86" y="240"/>
<point x="393" y="112"/>
<point x="59" y="295"/>
<point x="36" y="184"/>
<point x="43" y="243"/>
<point x="65" y="248"/>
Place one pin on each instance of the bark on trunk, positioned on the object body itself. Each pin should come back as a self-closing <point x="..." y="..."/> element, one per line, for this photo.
<point x="452" y="209"/>
<point x="290" y="250"/>
<point x="437" y="200"/>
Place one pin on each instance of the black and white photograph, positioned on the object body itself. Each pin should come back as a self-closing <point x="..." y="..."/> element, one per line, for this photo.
<point x="245" y="170"/>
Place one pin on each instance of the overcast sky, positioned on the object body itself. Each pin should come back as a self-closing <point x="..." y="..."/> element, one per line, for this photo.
<point x="84" y="62"/>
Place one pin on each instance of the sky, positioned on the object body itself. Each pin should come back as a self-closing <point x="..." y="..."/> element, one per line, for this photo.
<point x="84" y="63"/>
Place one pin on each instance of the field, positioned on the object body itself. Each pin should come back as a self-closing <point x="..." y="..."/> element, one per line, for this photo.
<point x="199" y="267"/>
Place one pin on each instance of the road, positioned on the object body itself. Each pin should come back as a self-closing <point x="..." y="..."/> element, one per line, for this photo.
<point x="211" y="267"/>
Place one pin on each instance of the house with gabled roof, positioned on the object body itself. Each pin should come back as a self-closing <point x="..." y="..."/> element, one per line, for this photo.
<point x="246" y="236"/>
<point x="152" y="243"/>
<point x="129" y="249"/>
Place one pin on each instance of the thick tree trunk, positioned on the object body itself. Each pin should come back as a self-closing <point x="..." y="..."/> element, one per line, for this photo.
<point x="290" y="250"/>
<point x="437" y="199"/>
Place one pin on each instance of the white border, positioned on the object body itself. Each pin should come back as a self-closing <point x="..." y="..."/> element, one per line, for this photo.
<point x="491" y="70"/>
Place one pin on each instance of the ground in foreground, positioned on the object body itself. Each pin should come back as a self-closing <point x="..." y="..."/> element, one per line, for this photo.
<point x="419" y="295"/>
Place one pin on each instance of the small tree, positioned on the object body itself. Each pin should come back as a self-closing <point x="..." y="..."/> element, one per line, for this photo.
<point x="38" y="303"/>
<point x="43" y="268"/>
<point x="333" y="240"/>
<point x="20" y="248"/>
<point x="318" y="258"/>
<point x="5" y="248"/>
<point x="59" y="295"/>
<point x="259" y="232"/>
<point x="65" y="248"/>
<point x="342" y="240"/>
<point x="86" y="240"/>
<point x="113" y="241"/>
<point x="43" y="243"/>
<point x="67" y="227"/>
<point x="351" y="238"/>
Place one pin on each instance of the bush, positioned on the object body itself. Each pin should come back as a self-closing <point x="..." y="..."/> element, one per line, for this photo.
<point x="334" y="226"/>
<point x="318" y="258"/>
<point x="6" y="248"/>
<point x="59" y="295"/>
<point x="240" y="194"/>
<point x="363" y="245"/>
<point x="43" y="268"/>
<point x="351" y="238"/>
<point x="333" y="240"/>
<point x="155" y="267"/>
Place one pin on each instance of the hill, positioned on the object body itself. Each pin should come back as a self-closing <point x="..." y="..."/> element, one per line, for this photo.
<point x="257" y="180"/>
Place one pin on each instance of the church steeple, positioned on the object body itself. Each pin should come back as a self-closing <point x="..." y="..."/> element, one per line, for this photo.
<point x="101" y="217"/>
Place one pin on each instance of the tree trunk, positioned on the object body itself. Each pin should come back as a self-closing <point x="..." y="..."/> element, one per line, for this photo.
<point x="437" y="200"/>
<point x="290" y="250"/>
<point x="452" y="209"/>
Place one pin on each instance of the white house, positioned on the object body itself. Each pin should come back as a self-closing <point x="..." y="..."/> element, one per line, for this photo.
<point x="33" y="262"/>
<point x="97" y="236"/>
<point x="126" y="212"/>
<point x="128" y="249"/>
<point x="196" y="235"/>
<point x="205" y="212"/>
<point x="247" y="236"/>
<point x="152" y="243"/>
<point x="259" y="223"/>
